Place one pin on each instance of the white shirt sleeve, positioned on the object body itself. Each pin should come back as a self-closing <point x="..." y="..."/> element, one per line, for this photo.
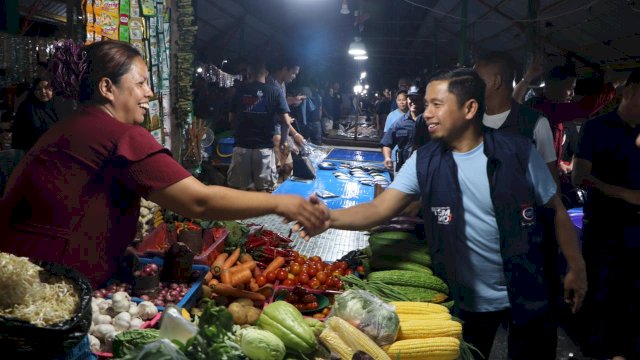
<point x="541" y="179"/>
<point x="544" y="140"/>
<point x="406" y="179"/>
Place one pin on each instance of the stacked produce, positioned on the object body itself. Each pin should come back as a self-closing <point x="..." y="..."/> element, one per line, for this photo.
<point x="398" y="259"/>
<point x="113" y="316"/>
<point x="427" y="331"/>
<point x="148" y="219"/>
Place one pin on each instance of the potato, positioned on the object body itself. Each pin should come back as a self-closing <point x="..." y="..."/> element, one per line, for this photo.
<point x="239" y="314"/>
<point x="252" y="315"/>
<point x="244" y="302"/>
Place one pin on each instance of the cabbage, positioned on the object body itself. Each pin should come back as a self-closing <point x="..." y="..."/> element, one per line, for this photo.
<point x="260" y="344"/>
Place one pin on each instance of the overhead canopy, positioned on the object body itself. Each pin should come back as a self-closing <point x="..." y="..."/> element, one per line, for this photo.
<point x="404" y="37"/>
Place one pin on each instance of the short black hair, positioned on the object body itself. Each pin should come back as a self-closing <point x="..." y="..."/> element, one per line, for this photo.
<point x="561" y="73"/>
<point x="401" y="92"/>
<point x="505" y="64"/>
<point x="281" y="62"/>
<point x="634" y="78"/>
<point x="465" y="84"/>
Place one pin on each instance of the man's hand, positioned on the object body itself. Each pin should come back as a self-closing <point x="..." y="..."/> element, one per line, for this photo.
<point x="307" y="231"/>
<point x="575" y="286"/>
<point x="299" y="140"/>
<point x="388" y="164"/>
<point x="534" y="70"/>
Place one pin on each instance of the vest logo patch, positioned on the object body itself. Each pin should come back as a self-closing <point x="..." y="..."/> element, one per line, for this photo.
<point x="442" y="214"/>
<point x="527" y="215"/>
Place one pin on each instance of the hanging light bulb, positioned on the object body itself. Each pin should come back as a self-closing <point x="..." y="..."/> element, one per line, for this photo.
<point x="356" y="48"/>
<point x="360" y="57"/>
<point x="345" y="8"/>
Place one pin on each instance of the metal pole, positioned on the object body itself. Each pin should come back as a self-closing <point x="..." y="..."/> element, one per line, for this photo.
<point x="464" y="5"/>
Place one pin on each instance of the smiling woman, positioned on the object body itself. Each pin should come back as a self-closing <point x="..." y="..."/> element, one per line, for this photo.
<point x="75" y="197"/>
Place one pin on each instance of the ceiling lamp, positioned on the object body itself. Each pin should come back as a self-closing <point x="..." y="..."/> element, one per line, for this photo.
<point x="345" y="8"/>
<point x="360" y="57"/>
<point x="356" y="48"/>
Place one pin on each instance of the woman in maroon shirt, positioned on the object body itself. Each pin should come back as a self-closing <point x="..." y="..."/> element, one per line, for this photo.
<point x="75" y="197"/>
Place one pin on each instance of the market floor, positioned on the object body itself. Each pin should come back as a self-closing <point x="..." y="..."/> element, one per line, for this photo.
<point x="567" y="349"/>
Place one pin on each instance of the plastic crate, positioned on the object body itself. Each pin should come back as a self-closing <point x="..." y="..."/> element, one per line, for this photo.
<point x="159" y="240"/>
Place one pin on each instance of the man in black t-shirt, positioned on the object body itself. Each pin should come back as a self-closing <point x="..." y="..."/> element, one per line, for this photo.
<point x="253" y="164"/>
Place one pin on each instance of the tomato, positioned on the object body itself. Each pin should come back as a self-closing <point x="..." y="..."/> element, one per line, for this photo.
<point x="337" y="284"/>
<point x="314" y="283"/>
<point x="312" y="306"/>
<point x="329" y="282"/>
<point x="316" y="258"/>
<point x="342" y="265"/>
<point x="288" y="282"/>
<point x="300" y="307"/>
<point x="291" y="298"/>
<point x="261" y="280"/>
<point x="318" y="316"/>
<point x="322" y="276"/>
<point x="322" y="287"/>
<point x="309" y="298"/>
<point x="295" y="268"/>
<point x="271" y="276"/>
<point x="326" y="310"/>
<point x="360" y="269"/>
<point x="281" y="274"/>
<point x="303" y="278"/>
<point x="337" y="273"/>
<point x="348" y="271"/>
<point x="312" y="271"/>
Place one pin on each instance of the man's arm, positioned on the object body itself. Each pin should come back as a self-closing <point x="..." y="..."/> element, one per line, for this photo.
<point x="534" y="70"/>
<point x="575" y="281"/>
<point x="581" y="177"/>
<point x="386" y="152"/>
<point x="365" y="216"/>
<point x="581" y="171"/>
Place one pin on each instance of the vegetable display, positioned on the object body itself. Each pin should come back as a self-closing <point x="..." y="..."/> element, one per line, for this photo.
<point x="260" y="344"/>
<point x="286" y="322"/>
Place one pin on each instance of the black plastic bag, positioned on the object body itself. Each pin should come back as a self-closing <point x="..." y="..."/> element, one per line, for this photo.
<point x="303" y="167"/>
<point x="21" y="338"/>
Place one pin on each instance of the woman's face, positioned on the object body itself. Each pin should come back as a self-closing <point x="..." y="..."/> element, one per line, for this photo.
<point x="43" y="91"/>
<point x="131" y="96"/>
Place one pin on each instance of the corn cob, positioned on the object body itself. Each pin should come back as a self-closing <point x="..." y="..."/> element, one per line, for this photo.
<point x="335" y="344"/>
<point x="423" y="329"/>
<point x="438" y="348"/>
<point x="418" y="308"/>
<point x="356" y="339"/>
<point x="410" y="278"/>
<point x="431" y="316"/>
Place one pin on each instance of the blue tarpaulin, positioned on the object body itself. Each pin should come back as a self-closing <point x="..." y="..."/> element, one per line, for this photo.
<point x="355" y="155"/>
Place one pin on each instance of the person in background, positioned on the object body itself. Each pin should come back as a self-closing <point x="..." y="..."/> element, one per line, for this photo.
<point x="483" y="235"/>
<point x="34" y="117"/>
<point x="74" y="199"/>
<point x="333" y="103"/>
<point x="401" y="134"/>
<point x="383" y="108"/>
<point x="394" y="116"/>
<point x="403" y="85"/>
<point x="607" y="164"/>
<point x="254" y="108"/>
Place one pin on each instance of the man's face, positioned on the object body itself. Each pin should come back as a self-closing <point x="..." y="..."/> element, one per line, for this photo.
<point x="445" y="118"/>
<point x="631" y="102"/>
<point x="387" y="93"/>
<point x="401" y="101"/>
<point x="403" y="85"/>
<point x="292" y="72"/>
<point x="487" y="74"/>
<point x="560" y="91"/>
<point x="415" y="104"/>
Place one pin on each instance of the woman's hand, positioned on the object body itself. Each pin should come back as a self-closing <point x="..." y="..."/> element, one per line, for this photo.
<point x="311" y="216"/>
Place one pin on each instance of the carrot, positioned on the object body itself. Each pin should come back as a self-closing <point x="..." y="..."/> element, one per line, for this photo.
<point x="253" y="285"/>
<point x="249" y="265"/>
<point x="274" y="264"/>
<point x="231" y="259"/>
<point x="213" y="282"/>
<point x="257" y="272"/>
<point x="245" y="257"/>
<point x="241" y="277"/>
<point x="216" y="265"/>
<point x="225" y="277"/>
<point x="208" y="277"/>
<point x="228" y="290"/>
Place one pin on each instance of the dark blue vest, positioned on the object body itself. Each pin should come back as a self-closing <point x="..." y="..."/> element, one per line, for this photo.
<point x="513" y="200"/>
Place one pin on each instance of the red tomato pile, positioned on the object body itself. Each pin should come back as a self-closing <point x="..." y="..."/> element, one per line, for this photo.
<point x="308" y="272"/>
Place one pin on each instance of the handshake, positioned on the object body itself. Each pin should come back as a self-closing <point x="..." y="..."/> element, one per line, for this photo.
<point x="312" y="216"/>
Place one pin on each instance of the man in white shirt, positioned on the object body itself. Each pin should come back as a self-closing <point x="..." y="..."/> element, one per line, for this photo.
<point x="502" y="112"/>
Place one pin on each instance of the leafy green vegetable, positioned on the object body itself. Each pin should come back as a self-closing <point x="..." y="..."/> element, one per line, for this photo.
<point x="126" y="341"/>
<point x="215" y="338"/>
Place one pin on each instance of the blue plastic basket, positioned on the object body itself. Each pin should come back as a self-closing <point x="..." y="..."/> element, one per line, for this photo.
<point x="225" y="146"/>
